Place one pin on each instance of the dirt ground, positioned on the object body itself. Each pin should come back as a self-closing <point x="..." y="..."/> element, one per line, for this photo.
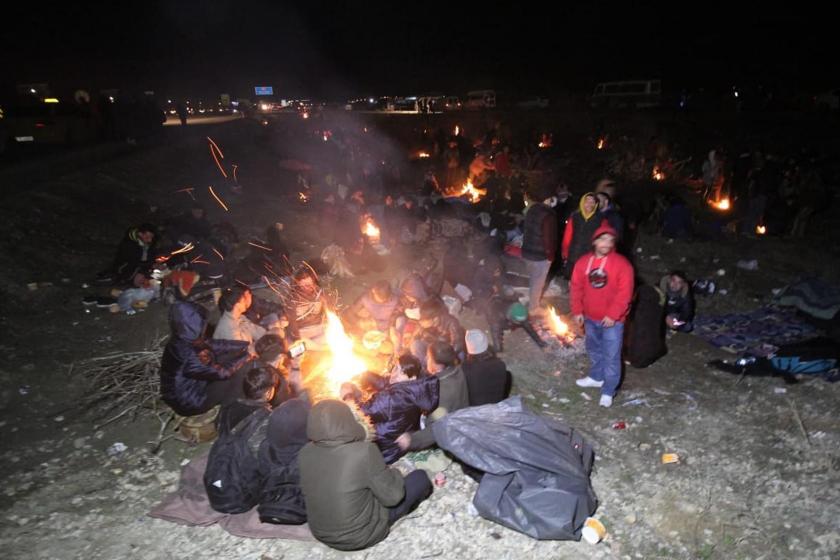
<point x="759" y="471"/>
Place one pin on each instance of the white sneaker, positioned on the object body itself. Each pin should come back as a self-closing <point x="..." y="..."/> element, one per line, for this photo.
<point x="588" y="382"/>
<point x="606" y="401"/>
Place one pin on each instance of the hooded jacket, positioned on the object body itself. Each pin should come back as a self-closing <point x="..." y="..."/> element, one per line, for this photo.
<point x="602" y="287"/>
<point x="539" y="242"/>
<point x="454" y="395"/>
<point x="447" y="330"/>
<point x="577" y="236"/>
<point x="282" y="500"/>
<point x="132" y="256"/>
<point x="347" y="485"/>
<point x="190" y="362"/>
<point x="396" y="409"/>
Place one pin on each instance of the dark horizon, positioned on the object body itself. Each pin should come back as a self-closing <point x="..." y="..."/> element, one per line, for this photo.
<point x="327" y="51"/>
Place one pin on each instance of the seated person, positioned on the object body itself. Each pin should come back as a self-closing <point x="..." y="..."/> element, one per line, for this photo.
<point x="259" y="388"/>
<point x="352" y="496"/>
<point x="679" y="302"/>
<point x="396" y="408"/>
<point x="234" y="325"/>
<point x="135" y="255"/>
<point x="437" y="325"/>
<point x="194" y="222"/>
<point x="197" y="374"/>
<point x="281" y="499"/>
<point x="442" y="363"/>
<point x="413" y="292"/>
<point x="308" y="316"/>
<point x="488" y="380"/>
<point x="375" y="309"/>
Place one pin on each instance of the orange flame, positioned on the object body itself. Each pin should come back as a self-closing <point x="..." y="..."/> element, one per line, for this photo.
<point x="423" y="155"/>
<point x="722" y="204"/>
<point x="557" y="325"/>
<point x="473" y="193"/>
<point x="343" y="364"/>
<point x="657" y="174"/>
<point x="457" y="130"/>
<point x="760" y="230"/>
<point x="371" y="230"/>
<point x="601" y="143"/>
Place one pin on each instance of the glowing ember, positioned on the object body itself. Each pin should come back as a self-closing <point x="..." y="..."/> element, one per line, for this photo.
<point x="424" y="155"/>
<point x="457" y="130"/>
<point x="600" y="144"/>
<point x="302" y="197"/>
<point x="545" y="141"/>
<point x="760" y="230"/>
<point x="722" y="204"/>
<point x="473" y="193"/>
<point x="557" y="325"/>
<point x="305" y="115"/>
<point x="371" y="230"/>
<point x="657" y="174"/>
<point x="343" y="365"/>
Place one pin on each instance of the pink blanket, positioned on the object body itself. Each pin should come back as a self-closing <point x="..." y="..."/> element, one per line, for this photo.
<point x="189" y="506"/>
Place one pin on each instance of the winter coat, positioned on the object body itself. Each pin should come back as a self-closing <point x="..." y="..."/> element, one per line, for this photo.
<point x="680" y="303"/>
<point x="488" y="380"/>
<point x="190" y="362"/>
<point x="448" y="330"/>
<point x="396" y="410"/>
<point x="540" y="240"/>
<point x="238" y="328"/>
<point x="454" y="395"/>
<point x="132" y="257"/>
<point x="645" y="335"/>
<point x="602" y="287"/>
<point x="282" y="500"/>
<point x="577" y="237"/>
<point x="347" y="485"/>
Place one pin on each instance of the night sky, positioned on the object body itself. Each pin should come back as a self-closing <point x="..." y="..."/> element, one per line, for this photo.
<point x="339" y="49"/>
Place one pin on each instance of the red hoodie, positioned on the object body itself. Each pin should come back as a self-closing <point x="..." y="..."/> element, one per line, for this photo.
<point x="602" y="287"/>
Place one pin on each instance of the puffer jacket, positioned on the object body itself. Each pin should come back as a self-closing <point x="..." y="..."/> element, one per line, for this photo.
<point x="190" y="362"/>
<point x="454" y="395"/>
<point x="347" y="485"/>
<point x="396" y="410"/>
<point x="281" y="500"/>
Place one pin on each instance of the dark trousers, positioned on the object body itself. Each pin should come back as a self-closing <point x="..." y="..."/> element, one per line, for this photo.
<point x="417" y="489"/>
<point x="226" y="391"/>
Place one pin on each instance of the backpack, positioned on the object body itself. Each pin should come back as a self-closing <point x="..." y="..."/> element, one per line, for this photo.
<point x="232" y="478"/>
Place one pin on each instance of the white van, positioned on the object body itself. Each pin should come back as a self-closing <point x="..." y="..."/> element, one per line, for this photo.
<point x="630" y="94"/>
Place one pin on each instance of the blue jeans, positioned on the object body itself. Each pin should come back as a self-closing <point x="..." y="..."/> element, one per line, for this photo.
<point x="604" y="348"/>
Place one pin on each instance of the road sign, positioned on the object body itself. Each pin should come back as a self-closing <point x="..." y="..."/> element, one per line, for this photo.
<point x="264" y="90"/>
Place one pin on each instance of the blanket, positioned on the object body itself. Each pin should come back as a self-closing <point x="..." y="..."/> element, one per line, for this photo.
<point x="759" y="332"/>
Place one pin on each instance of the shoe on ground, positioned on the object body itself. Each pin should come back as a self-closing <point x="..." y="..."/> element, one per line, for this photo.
<point x="588" y="382"/>
<point x="606" y="401"/>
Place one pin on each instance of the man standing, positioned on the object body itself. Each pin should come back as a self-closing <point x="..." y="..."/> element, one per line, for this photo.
<point x="539" y="245"/>
<point x="601" y="291"/>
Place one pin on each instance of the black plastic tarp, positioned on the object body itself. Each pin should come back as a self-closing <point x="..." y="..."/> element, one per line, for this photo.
<point x="537" y="469"/>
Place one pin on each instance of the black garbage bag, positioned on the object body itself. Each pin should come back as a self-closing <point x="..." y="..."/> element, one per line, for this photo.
<point x="537" y="470"/>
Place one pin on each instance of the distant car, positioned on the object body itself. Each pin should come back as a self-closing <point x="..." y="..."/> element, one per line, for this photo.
<point x="48" y="124"/>
<point x="533" y="102"/>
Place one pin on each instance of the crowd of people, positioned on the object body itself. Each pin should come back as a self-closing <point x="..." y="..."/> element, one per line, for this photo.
<point x="328" y="458"/>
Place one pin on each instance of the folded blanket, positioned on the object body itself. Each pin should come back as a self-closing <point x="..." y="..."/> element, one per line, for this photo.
<point x="189" y="506"/>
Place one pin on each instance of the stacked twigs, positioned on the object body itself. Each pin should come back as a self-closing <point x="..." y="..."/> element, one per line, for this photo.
<point x="123" y="384"/>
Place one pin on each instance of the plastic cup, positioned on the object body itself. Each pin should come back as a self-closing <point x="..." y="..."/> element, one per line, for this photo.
<point x="593" y="531"/>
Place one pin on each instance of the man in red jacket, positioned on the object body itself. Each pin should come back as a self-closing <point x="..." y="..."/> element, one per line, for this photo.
<point x="601" y="290"/>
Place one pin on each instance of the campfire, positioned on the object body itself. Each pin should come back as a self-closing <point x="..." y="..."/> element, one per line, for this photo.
<point x="657" y="174"/>
<point x="457" y="130"/>
<point x="473" y="193"/>
<point x="722" y="204"/>
<point x="558" y="327"/>
<point x="760" y="230"/>
<point x="545" y="142"/>
<point x="601" y="143"/>
<point x="423" y="155"/>
<point x="341" y="364"/>
<point x="371" y="230"/>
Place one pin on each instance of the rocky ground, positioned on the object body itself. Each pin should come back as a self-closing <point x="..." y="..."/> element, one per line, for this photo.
<point x="759" y="462"/>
